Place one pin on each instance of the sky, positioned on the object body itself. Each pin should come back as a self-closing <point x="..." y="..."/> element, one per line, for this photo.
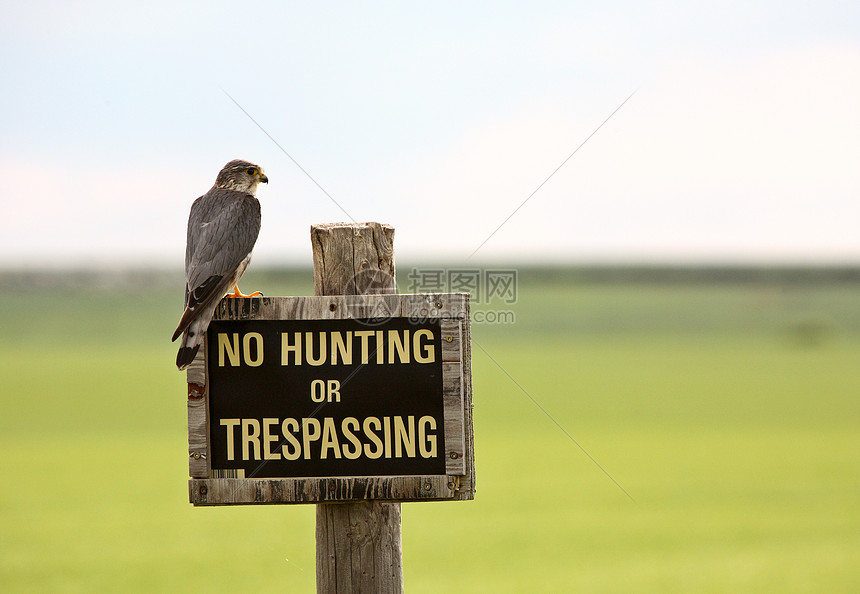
<point x="454" y="122"/>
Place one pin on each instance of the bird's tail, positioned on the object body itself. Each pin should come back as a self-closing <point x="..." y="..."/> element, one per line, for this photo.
<point x="191" y="340"/>
<point x="185" y="356"/>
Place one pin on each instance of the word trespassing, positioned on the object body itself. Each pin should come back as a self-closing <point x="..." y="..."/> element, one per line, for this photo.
<point x="291" y="439"/>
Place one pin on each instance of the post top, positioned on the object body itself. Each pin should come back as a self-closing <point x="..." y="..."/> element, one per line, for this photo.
<point x="350" y="225"/>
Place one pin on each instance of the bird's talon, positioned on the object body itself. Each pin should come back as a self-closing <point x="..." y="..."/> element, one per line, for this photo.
<point x="237" y="293"/>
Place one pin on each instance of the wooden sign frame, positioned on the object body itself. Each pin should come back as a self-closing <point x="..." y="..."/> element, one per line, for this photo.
<point x="458" y="482"/>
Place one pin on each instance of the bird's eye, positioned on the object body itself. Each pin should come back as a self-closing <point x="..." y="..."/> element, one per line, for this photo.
<point x="252" y="171"/>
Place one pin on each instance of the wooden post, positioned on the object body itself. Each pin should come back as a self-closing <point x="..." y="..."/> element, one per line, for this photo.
<point x="358" y="544"/>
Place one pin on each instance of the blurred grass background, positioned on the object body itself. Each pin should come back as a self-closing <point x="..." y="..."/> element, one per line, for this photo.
<point x="725" y="401"/>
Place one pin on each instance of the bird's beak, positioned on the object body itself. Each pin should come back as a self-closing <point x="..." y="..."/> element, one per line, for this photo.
<point x="264" y="179"/>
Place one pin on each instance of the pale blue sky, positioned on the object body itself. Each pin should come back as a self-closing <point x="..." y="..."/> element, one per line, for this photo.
<point x="742" y="142"/>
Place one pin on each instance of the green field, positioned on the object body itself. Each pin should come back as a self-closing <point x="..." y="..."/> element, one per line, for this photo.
<point x="727" y="407"/>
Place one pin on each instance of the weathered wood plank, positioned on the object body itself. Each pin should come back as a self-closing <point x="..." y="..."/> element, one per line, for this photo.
<point x="451" y="341"/>
<point x="198" y="421"/>
<point x="450" y="308"/>
<point x="229" y="491"/>
<point x="466" y="489"/>
<point x="198" y="438"/>
<point x="452" y="397"/>
<point x="195" y="374"/>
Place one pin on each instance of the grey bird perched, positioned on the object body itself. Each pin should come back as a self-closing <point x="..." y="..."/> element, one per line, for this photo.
<point x="222" y="229"/>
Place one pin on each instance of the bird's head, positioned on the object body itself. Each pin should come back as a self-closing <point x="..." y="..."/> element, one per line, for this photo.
<point x="241" y="176"/>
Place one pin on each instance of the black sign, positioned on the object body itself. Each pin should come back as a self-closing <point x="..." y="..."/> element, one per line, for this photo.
<point x="320" y="398"/>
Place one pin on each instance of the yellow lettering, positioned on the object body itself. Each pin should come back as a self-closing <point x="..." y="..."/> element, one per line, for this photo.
<point x="341" y="347"/>
<point x="364" y="335"/>
<point x="386" y="436"/>
<point x="317" y="390"/>
<point x="349" y="425"/>
<point x="231" y="349"/>
<point x="401" y="344"/>
<point x="250" y="438"/>
<point x="379" y="340"/>
<point x="386" y="431"/>
<point x="231" y="425"/>
<point x="404" y="436"/>
<point x="371" y="453"/>
<point x="288" y="427"/>
<point x="308" y="437"/>
<point x="295" y="348"/>
<point x="268" y="439"/>
<point x="329" y="439"/>
<point x="246" y="345"/>
<point x="423" y="353"/>
<point x="427" y="442"/>
<point x="333" y="390"/>
<point x="309" y="341"/>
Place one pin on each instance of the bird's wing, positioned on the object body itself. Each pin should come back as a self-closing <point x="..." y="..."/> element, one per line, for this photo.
<point x="222" y="229"/>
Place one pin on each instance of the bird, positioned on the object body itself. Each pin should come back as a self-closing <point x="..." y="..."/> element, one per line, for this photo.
<point x="223" y="227"/>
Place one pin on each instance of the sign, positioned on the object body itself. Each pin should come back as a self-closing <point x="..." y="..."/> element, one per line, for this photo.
<point x="336" y="398"/>
<point x="304" y="398"/>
